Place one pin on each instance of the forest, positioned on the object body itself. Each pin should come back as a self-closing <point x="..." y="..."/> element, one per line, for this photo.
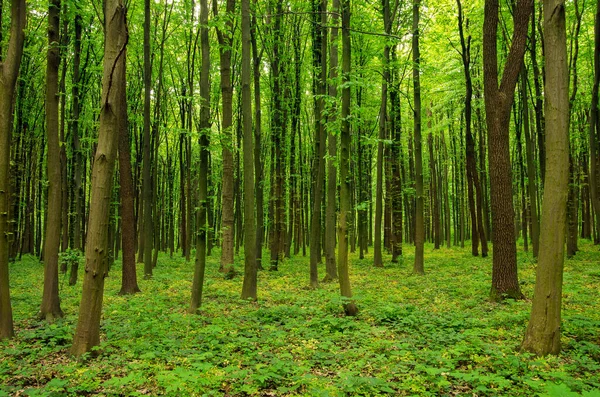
<point x="299" y="198"/>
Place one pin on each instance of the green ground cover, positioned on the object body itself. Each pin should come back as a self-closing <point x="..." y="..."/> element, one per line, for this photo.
<point x="426" y="335"/>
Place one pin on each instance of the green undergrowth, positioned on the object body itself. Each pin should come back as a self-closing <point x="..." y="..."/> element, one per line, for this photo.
<point x="432" y="335"/>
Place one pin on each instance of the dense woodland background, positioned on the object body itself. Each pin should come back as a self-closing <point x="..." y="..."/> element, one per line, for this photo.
<point x="265" y="135"/>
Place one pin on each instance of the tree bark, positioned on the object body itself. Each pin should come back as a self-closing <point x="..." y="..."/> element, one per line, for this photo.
<point x="50" y="308"/>
<point x="225" y="49"/>
<point x="498" y="103"/>
<point x="345" y="177"/>
<point x="543" y="332"/>
<point x="204" y="130"/>
<point x="148" y="230"/>
<point x="418" y="267"/>
<point x="87" y="334"/>
<point x="9" y="70"/>
<point x="249" y="286"/>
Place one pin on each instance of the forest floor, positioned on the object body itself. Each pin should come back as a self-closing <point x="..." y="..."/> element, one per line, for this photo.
<point x="429" y="335"/>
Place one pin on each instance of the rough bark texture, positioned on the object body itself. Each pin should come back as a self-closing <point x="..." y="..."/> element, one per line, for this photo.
<point x="9" y="70"/>
<point x="345" y="176"/>
<point x="498" y="103"/>
<point x="50" y="308"/>
<point x="418" y="267"/>
<point x="250" y="277"/>
<point x="543" y="332"/>
<point x="87" y="334"/>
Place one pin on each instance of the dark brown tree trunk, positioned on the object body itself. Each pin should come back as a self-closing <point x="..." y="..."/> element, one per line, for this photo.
<point x="50" y="308"/>
<point x="418" y="267"/>
<point x="345" y="177"/>
<point x="250" y="277"/>
<point x="204" y="130"/>
<point x="319" y="70"/>
<point x="330" y="221"/>
<point x="129" y="283"/>
<point x="9" y="70"/>
<point x="87" y="334"/>
<point x="498" y="103"/>
<point x="147" y="164"/>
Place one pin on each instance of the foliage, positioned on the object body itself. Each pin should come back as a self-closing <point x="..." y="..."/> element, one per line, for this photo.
<point x="431" y="335"/>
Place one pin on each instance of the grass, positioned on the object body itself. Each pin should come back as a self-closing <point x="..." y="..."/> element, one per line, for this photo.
<point x="429" y="335"/>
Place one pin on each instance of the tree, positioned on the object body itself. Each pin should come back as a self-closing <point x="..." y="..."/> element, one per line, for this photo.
<point x="249" y="286"/>
<point x="87" y="333"/>
<point x="473" y="182"/>
<point x="148" y="235"/>
<point x="345" y="178"/>
<point x="204" y="129"/>
<point x="9" y="69"/>
<point x="225" y="36"/>
<point x="418" y="267"/>
<point x="543" y="331"/>
<point x="50" y="308"/>
<point x="498" y="103"/>
<point x="330" y="217"/>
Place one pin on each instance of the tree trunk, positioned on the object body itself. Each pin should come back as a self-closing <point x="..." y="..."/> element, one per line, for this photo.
<point x="87" y="334"/>
<point x="250" y="277"/>
<point x="50" y="308"/>
<point x="9" y="70"/>
<point x="543" y="332"/>
<point x="498" y="103"/>
<point x="330" y="222"/>
<point x="345" y="177"/>
<point x="225" y="49"/>
<point x="147" y="170"/>
<point x="418" y="267"/>
<point x="129" y="283"/>
<point x="204" y="130"/>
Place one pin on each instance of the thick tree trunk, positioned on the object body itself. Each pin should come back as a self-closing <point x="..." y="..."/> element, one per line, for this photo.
<point x="9" y="70"/>
<point x="543" y="332"/>
<point x="87" y="334"/>
<point x="50" y="308"/>
<point x="498" y="103"/>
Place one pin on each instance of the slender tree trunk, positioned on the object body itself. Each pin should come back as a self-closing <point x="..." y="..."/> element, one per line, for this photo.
<point x="147" y="164"/>
<point x="129" y="283"/>
<point x="50" y="308"/>
<point x="345" y="177"/>
<point x="9" y="70"/>
<point x="78" y="191"/>
<point x="319" y="59"/>
<point x="204" y="130"/>
<point x="258" y="164"/>
<point x="543" y="332"/>
<point x="418" y="267"/>
<point x="225" y="51"/>
<point x="250" y="277"/>
<point x="330" y="223"/>
<point x="87" y="334"/>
